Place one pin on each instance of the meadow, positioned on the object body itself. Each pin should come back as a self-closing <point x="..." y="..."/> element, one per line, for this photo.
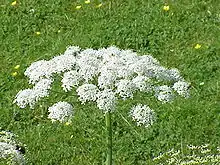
<point x="185" y="36"/>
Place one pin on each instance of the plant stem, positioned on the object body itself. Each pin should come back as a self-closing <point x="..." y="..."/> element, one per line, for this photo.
<point x="109" y="138"/>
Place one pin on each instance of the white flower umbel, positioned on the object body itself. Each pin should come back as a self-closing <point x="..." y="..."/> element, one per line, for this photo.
<point x="90" y="71"/>
<point x="164" y="93"/>
<point x="143" y="115"/>
<point x="107" y="79"/>
<point x="61" y="111"/>
<point x="125" y="88"/>
<point x="25" y="97"/>
<point x="9" y="152"/>
<point x="62" y="63"/>
<point x="88" y="66"/>
<point x="182" y="88"/>
<point x="9" y="149"/>
<point x="87" y="92"/>
<point x="39" y="69"/>
<point x="142" y="83"/>
<point x="71" y="79"/>
<point x="31" y="96"/>
<point x="42" y="88"/>
<point x="106" y="100"/>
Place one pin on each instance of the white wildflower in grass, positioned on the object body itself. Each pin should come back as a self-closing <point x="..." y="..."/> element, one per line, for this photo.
<point x="106" y="100"/>
<point x="61" y="111"/>
<point x="189" y="155"/>
<point x="10" y="149"/>
<point x="104" y="76"/>
<point x="164" y="93"/>
<point x="125" y="88"/>
<point x="90" y="71"/>
<point x="87" y="92"/>
<point x="11" y="154"/>
<point x="143" y="115"/>
<point x="182" y="88"/>
<point x="71" y="79"/>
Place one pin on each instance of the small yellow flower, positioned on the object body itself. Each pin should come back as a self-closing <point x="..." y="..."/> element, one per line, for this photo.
<point x="67" y="123"/>
<point x="14" y="74"/>
<point x="17" y="67"/>
<point x="100" y="5"/>
<point x="58" y="31"/>
<point x="166" y="8"/>
<point x="38" y="33"/>
<point x="87" y="2"/>
<point x="14" y="3"/>
<point x="78" y="7"/>
<point x="198" y="46"/>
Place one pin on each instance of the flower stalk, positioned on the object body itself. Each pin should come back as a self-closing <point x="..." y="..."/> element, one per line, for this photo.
<point x="109" y="138"/>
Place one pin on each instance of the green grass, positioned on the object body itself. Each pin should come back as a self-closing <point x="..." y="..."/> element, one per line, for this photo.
<point x="140" y="25"/>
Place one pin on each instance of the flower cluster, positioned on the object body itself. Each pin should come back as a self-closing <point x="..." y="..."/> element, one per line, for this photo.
<point x="61" y="111"/>
<point x="10" y="149"/>
<point x="143" y="115"/>
<point x="191" y="154"/>
<point x="102" y="76"/>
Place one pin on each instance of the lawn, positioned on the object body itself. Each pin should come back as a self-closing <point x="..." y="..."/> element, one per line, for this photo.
<point x="186" y="37"/>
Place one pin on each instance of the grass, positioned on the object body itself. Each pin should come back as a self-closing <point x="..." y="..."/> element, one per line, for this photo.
<point x="138" y="24"/>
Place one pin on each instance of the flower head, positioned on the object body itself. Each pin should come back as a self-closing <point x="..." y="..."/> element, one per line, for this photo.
<point x="143" y="115"/>
<point x="198" y="46"/>
<point x="142" y="83"/>
<point x="182" y="88"/>
<point x="125" y="88"/>
<point x="87" y="1"/>
<point x="37" y="33"/>
<point x="14" y="74"/>
<point x="78" y="7"/>
<point x="14" y="3"/>
<point x="164" y="93"/>
<point x="87" y="92"/>
<point x="106" y="100"/>
<point x="61" y="111"/>
<point x="99" y="5"/>
<point x="17" y="67"/>
<point x="166" y="8"/>
<point x="9" y="149"/>
<point x="70" y="79"/>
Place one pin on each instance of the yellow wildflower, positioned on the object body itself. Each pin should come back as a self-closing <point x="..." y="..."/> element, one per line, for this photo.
<point x="67" y="123"/>
<point x="14" y="74"/>
<point x="17" y="67"/>
<point x="87" y="1"/>
<point x="98" y="6"/>
<point x="38" y="33"/>
<point x="198" y="46"/>
<point x="58" y="31"/>
<point x="14" y="3"/>
<point x="78" y="7"/>
<point x="166" y="8"/>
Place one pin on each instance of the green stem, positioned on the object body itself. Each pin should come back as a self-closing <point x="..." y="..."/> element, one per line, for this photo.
<point x="109" y="139"/>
